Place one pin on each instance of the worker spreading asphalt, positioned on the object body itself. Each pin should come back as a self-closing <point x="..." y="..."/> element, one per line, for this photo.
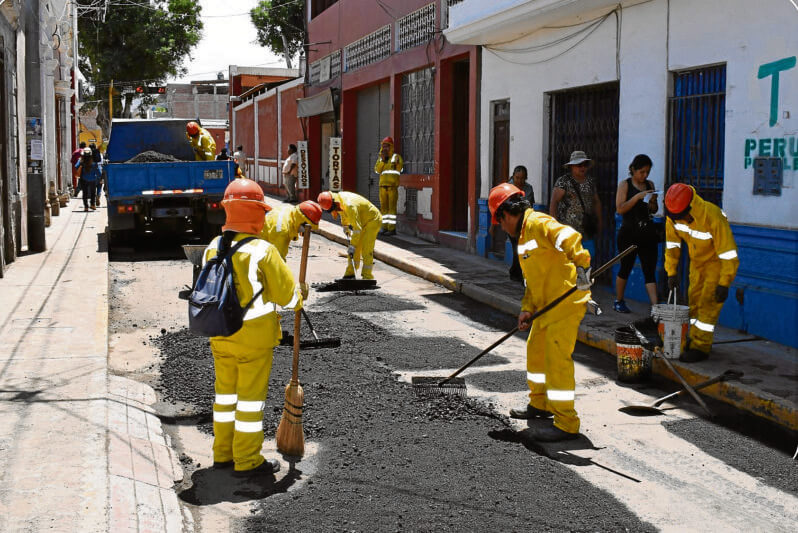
<point x="389" y="460"/>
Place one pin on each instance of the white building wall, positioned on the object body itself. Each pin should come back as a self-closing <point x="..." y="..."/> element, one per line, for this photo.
<point x="656" y="39"/>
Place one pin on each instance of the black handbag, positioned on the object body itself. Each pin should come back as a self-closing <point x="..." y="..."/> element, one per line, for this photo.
<point x="589" y="220"/>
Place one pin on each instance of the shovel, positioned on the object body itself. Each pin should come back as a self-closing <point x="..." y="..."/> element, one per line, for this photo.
<point x="653" y="409"/>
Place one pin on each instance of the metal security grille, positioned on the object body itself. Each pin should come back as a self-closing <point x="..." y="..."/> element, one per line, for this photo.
<point x="418" y="121"/>
<point x="331" y="62"/>
<point x="587" y="119"/>
<point x="369" y="49"/>
<point x="697" y="130"/>
<point x="415" y="28"/>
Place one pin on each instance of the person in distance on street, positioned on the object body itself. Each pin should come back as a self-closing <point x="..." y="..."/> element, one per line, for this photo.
<point x="713" y="262"/>
<point x="223" y="155"/>
<point x="552" y="262"/>
<point x="242" y="361"/>
<point x="361" y="221"/>
<point x="89" y="176"/>
<point x="519" y="179"/>
<point x="201" y="141"/>
<point x="389" y="166"/>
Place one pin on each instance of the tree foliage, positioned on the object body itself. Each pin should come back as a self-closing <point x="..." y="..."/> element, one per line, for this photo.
<point x="280" y="26"/>
<point x="139" y="43"/>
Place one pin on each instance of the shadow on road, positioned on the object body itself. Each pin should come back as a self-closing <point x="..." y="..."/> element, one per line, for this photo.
<point x="210" y="486"/>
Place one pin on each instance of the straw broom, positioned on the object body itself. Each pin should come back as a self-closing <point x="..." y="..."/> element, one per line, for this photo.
<point x="290" y="433"/>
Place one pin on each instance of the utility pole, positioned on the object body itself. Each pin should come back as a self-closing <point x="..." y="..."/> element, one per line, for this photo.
<point x="110" y="104"/>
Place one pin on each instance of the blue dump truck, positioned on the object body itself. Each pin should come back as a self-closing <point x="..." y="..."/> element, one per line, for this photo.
<point x="169" y="194"/>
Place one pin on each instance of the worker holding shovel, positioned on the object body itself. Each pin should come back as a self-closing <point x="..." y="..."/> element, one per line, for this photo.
<point x="552" y="262"/>
<point x="361" y="221"/>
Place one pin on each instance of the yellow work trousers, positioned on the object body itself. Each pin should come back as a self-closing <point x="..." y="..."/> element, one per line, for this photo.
<point x="242" y="383"/>
<point x="704" y="310"/>
<point x="550" y="369"/>
<point x="364" y="249"/>
<point x="388" y="198"/>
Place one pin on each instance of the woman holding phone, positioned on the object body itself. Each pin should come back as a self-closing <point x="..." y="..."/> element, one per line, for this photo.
<point x="636" y="201"/>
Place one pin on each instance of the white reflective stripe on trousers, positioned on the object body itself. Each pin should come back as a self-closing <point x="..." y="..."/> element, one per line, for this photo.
<point x="671" y="244"/>
<point x="536" y="378"/>
<point x="224" y="417"/>
<point x="563" y="234"/>
<point x="226" y="399"/>
<point x="391" y="172"/>
<point x="703" y="326"/>
<point x="527" y="246"/>
<point x="700" y="235"/>
<point x="249" y="406"/>
<point x="560" y="395"/>
<point x="731" y="254"/>
<point x="248" y="427"/>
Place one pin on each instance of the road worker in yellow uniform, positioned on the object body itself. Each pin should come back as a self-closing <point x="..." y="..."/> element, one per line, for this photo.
<point x="388" y="166"/>
<point x="243" y="361"/>
<point x="283" y="224"/>
<point x="361" y="221"/>
<point x="552" y="261"/>
<point x="713" y="262"/>
<point x="201" y="141"/>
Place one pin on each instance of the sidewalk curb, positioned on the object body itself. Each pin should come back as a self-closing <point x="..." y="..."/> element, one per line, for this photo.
<point x="758" y="403"/>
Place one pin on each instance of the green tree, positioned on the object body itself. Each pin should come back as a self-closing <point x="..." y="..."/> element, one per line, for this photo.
<point x="280" y="26"/>
<point x="133" y="44"/>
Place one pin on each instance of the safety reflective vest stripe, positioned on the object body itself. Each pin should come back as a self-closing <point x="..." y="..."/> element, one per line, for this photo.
<point x="536" y="378"/>
<point x="700" y="235"/>
<point x="226" y="399"/>
<point x="671" y="244"/>
<point x="295" y="300"/>
<point x="527" y="246"/>
<point x="387" y="218"/>
<point x="280" y="216"/>
<point x="248" y="427"/>
<point x="560" y="395"/>
<point x="703" y="326"/>
<point x="564" y="233"/>
<point x="257" y="251"/>
<point x="731" y="254"/>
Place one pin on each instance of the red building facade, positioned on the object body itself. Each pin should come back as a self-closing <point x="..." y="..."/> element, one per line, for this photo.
<point x="390" y="72"/>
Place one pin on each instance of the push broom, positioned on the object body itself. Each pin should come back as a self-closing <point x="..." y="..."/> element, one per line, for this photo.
<point x="452" y="385"/>
<point x="290" y="434"/>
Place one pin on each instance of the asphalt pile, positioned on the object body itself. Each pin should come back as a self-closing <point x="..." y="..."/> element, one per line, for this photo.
<point x="391" y="461"/>
<point x="151" y="156"/>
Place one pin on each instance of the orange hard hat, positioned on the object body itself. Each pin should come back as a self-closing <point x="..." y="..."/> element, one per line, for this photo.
<point x="677" y="200"/>
<point x="192" y="128"/>
<point x="244" y="206"/>
<point x="387" y="140"/>
<point x="311" y="210"/>
<point x="498" y="195"/>
<point x="325" y="200"/>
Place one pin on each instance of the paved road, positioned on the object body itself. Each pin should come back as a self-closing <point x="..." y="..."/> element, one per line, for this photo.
<point x="379" y="458"/>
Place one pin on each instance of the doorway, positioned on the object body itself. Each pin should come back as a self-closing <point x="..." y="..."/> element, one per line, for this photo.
<point x="327" y="131"/>
<point x="373" y="125"/>
<point x="500" y="163"/>
<point x="460" y="130"/>
<point x="6" y="236"/>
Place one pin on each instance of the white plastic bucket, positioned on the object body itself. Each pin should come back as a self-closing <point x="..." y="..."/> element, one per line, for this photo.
<point x="672" y="321"/>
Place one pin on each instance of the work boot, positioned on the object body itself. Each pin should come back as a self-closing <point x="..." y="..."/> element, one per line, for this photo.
<point x="267" y="467"/>
<point x="525" y="413"/>
<point x="223" y="465"/>
<point x="348" y="276"/>
<point x="552" y="434"/>
<point x="692" y="355"/>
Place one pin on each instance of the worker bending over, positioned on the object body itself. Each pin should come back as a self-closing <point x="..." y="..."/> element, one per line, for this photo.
<point x="713" y="262"/>
<point x="552" y="261"/>
<point x="361" y="221"/>
<point x="388" y="166"/>
<point x="243" y="361"/>
<point x="201" y="141"/>
<point x="283" y="224"/>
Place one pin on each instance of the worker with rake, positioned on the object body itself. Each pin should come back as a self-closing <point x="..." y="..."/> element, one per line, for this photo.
<point x="243" y="361"/>
<point x="361" y="221"/>
<point x="552" y="262"/>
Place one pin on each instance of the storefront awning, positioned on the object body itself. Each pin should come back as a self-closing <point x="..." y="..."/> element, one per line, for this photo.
<point x="318" y="104"/>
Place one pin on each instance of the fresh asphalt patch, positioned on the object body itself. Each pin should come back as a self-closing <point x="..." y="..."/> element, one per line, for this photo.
<point x="387" y="459"/>
<point x="500" y="381"/>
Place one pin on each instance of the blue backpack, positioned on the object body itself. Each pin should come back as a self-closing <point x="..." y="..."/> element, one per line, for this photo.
<point x="213" y="306"/>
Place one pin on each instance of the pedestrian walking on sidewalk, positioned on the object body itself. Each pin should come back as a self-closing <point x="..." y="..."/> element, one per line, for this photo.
<point x="89" y="176"/>
<point x="361" y="221"/>
<point x="389" y="166"/>
<point x="243" y="361"/>
<point x="552" y="261"/>
<point x="575" y="200"/>
<point x="713" y="262"/>
<point x="76" y="155"/>
<point x="636" y="202"/>
<point x="291" y="173"/>
<point x="518" y="179"/>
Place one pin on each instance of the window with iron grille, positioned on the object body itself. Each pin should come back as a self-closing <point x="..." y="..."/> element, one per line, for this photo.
<point x="418" y="121"/>
<point x="415" y="28"/>
<point x="331" y="62"/>
<point x="697" y="112"/>
<point x="369" y="49"/>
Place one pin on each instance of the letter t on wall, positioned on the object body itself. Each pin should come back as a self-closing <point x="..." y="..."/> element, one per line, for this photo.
<point x="773" y="69"/>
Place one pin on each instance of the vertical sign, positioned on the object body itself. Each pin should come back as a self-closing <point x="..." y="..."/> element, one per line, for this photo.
<point x="335" y="164"/>
<point x="304" y="175"/>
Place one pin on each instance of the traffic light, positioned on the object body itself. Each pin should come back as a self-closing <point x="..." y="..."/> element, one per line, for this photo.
<point x="150" y="90"/>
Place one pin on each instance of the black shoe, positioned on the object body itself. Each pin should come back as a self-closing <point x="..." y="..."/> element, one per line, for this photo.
<point x="349" y="276"/>
<point x="224" y="465"/>
<point x="692" y="356"/>
<point x="389" y="232"/>
<point x="552" y="434"/>
<point x="267" y="467"/>
<point x="529" y="412"/>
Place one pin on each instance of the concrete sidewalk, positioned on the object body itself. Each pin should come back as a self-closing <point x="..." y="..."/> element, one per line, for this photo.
<point x="81" y="449"/>
<point x="768" y="388"/>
